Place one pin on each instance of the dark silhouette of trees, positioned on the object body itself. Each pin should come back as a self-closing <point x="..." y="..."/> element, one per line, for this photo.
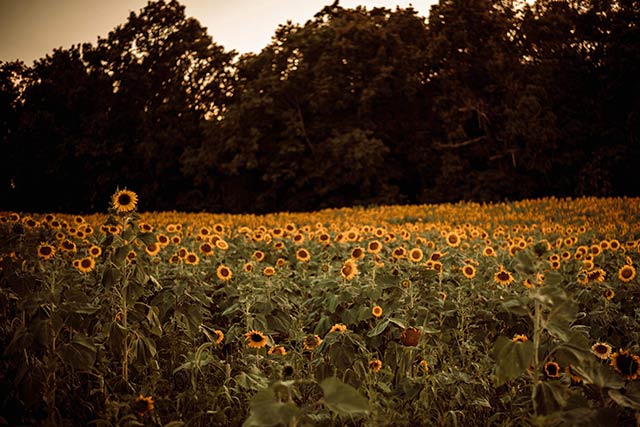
<point x="485" y="100"/>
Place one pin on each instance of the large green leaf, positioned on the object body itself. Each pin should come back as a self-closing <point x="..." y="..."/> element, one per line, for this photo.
<point x="512" y="358"/>
<point x="343" y="398"/>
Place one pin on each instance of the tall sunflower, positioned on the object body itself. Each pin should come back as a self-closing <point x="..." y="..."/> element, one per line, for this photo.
<point x="124" y="201"/>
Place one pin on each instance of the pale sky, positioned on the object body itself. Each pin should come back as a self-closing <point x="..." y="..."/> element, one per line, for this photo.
<point x="29" y="29"/>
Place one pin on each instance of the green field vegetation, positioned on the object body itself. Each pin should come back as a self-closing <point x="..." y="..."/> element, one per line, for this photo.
<point x="521" y="313"/>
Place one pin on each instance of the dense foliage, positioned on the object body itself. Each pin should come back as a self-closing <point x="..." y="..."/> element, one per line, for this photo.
<point x="484" y="100"/>
<point x="502" y="314"/>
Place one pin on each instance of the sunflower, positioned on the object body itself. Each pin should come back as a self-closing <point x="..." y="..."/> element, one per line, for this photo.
<point x="416" y="255"/>
<point x="488" y="251"/>
<point x="376" y="311"/>
<point x="224" y="273"/>
<point x="410" y="336"/>
<point x="206" y="249"/>
<point x="142" y="405"/>
<point x="338" y="327"/>
<point x="453" y="239"/>
<point x="86" y="265"/>
<point x="46" y="251"/>
<point x="469" y="271"/>
<point x="442" y="295"/>
<point x="95" y="251"/>
<point x="192" y="259"/>
<point x="182" y="253"/>
<point x="163" y="240"/>
<point x="519" y="338"/>
<point x="375" y="365"/>
<point x="399" y="252"/>
<point x="357" y="253"/>
<point x="152" y="249"/>
<point x="627" y="273"/>
<point x="609" y="294"/>
<point x="68" y="246"/>
<point x="435" y="256"/>
<point x="258" y="256"/>
<point x="219" y="336"/>
<point x="424" y="365"/>
<point x="552" y="369"/>
<point x="349" y="270"/>
<point x="626" y="364"/>
<point x="278" y="349"/>
<point x="405" y="283"/>
<point x="596" y="275"/>
<point x="221" y="244"/>
<point x="255" y="339"/>
<point x="303" y="255"/>
<point x="124" y="201"/>
<point x="298" y="238"/>
<point x="601" y="350"/>
<point x="503" y="277"/>
<point x="280" y="262"/>
<point x="176" y="240"/>
<point x="311" y="342"/>
<point x="269" y="271"/>
<point x="248" y="267"/>
<point x="374" y="246"/>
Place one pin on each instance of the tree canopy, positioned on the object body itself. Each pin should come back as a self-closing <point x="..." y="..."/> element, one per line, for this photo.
<point x="484" y="100"/>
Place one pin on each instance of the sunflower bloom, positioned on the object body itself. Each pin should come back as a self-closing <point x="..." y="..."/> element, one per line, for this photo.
<point x="224" y="273"/>
<point x="415" y="255"/>
<point x="255" y="339"/>
<point x="469" y="271"/>
<point x="46" y="251"/>
<point x="626" y="364"/>
<point x="338" y="327"/>
<point x="552" y="369"/>
<point x="503" y="277"/>
<point x="376" y="311"/>
<point x="278" y="349"/>
<point x="519" y="338"/>
<point x="142" y="405"/>
<point x="601" y="350"/>
<point x="349" y="270"/>
<point x="311" y="342"/>
<point x="124" y="201"/>
<point x="85" y="265"/>
<point x="303" y="255"/>
<point x="375" y="365"/>
<point x="627" y="273"/>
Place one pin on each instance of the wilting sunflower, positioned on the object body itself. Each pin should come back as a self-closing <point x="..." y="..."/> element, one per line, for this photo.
<point x="552" y="369"/>
<point x="575" y="378"/>
<point x="142" y="405"/>
<point x="46" y="251"/>
<point x="601" y="350"/>
<point x="124" y="201"/>
<point x="626" y="364"/>
<point x="410" y="336"/>
<point x="224" y="273"/>
<point x="519" y="338"/>
<point x="338" y="327"/>
<point x="303" y="255"/>
<point x="503" y="277"/>
<point x="278" y="349"/>
<point x="311" y="342"/>
<point x="86" y="265"/>
<point x="376" y="311"/>
<point x="375" y="365"/>
<point x="255" y="339"/>
<point x="416" y="255"/>
<point x="349" y="270"/>
<point x="469" y="271"/>
<point x="627" y="273"/>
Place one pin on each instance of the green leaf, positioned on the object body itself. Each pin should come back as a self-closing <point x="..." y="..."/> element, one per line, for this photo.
<point x="512" y="358"/>
<point x="517" y="306"/>
<point x="154" y="321"/>
<point x="110" y="277"/>
<point x="147" y="238"/>
<point x="549" y="397"/>
<point x="379" y="328"/>
<point x="79" y="353"/>
<point x="266" y="410"/>
<point x="599" y="375"/>
<point x="628" y="397"/>
<point x="343" y="398"/>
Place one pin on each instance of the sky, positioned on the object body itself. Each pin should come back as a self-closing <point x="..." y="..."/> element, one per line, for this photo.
<point x="30" y="29"/>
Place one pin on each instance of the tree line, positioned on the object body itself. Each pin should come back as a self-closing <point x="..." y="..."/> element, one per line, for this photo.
<point x="484" y="100"/>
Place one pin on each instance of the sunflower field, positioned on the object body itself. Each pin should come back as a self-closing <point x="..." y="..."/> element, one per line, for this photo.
<point x="506" y="314"/>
